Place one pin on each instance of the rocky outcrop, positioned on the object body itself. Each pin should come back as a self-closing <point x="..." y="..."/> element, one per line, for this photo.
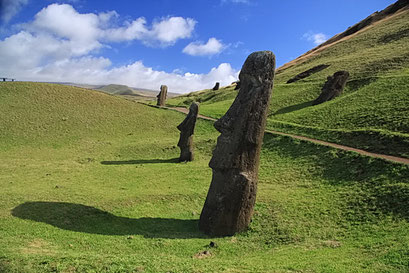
<point x="333" y="87"/>
<point x="162" y="95"/>
<point x="229" y="204"/>
<point x="308" y="73"/>
<point x="187" y="128"/>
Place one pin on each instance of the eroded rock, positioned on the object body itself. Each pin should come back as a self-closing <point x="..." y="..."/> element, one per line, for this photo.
<point x="308" y="73"/>
<point x="229" y="204"/>
<point x="187" y="128"/>
<point x="333" y="87"/>
<point x="162" y="95"/>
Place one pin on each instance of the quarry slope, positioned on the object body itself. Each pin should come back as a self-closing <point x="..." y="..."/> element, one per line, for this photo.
<point x="373" y="111"/>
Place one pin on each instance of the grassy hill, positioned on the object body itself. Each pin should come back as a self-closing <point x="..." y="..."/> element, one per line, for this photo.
<point x="90" y="183"/>
<point x="373" y="111"/>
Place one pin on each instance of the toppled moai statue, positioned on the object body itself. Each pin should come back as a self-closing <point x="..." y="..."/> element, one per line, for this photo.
<point x="229" y="204"/>
<point x="162" y="95"/>
<point x="308" y="73"/>
<point x="333" y="87"/>
<point x="187" y="128"/>
<point x="216" y="86"/>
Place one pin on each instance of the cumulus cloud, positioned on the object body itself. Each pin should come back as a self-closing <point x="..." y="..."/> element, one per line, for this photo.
<point x="60" y="45"/>
<point x="98" y="70"/>
<point x="9" y="8"/>
<point x="64" y="21"/>
<point x="212" y="47"/>
<point x="316" y="38"/>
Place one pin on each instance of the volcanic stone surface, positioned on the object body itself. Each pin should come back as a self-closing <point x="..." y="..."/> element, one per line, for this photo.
<point x="187" y="129"/>
<point x="162" y="95"/>
<point x="308" y="73"/>
<point x="333" y="87"/>
<point x="229" y="204"/>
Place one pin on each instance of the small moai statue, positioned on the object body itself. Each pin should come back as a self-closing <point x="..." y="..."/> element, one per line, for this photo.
<point x="162" y="95"/>
<point x="187" y="129"/>
<point x="237" y="85"/>
<point x="232" y="194"/>
<point x="333" y="87"/>
<point x="216" y="86"/>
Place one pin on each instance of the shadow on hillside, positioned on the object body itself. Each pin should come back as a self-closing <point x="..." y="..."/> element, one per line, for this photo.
<point x="370" y="185"/>
<point x="141" y="161"/>
<point x="293" y="108"/>
<point x="81" y="218"/>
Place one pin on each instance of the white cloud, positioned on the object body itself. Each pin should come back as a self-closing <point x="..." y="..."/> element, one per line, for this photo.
<point x="9" y="8"/>
<point x="316" y="38"/>
<point x="212" y="47"/>
<point x="58" y="46"/>
<point x="97" y="70"/>
<point x="64" y="21"/>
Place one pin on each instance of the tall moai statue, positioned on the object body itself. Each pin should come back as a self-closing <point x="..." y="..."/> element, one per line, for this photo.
<point x="216" y="86"/>
<point x="232" y="194"/>
<point x="187" y="128"/>
<point x="333" y="87"/>
<point x="162" y="95"/>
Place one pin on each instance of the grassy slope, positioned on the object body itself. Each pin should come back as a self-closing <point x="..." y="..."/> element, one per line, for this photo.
<point x="90" y="183"/>
<point x="372" y="113"/>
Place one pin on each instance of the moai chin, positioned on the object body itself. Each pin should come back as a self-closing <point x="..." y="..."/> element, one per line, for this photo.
<point x="333" y="87"/>
<point x="187" y="128"/>
<point x="162" y="95"/>
<point x="232" y="194"/>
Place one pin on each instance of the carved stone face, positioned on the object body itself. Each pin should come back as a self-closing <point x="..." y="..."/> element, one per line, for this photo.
<point x="240" y="127"/>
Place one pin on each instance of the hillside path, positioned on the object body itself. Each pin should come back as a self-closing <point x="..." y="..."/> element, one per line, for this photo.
<point x="330" y="144"/>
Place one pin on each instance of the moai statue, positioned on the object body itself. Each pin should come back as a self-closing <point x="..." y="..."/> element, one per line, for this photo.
<point x="162" y="95"/>
<point x="216" y="86"/>
<point x="333" y="87"/>
<point x="237" y="85"/>
<point x="187" y="128"/>
<point x="229" y="203"/>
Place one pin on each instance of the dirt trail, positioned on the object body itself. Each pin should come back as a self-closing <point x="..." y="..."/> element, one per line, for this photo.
<point x="342" y="147"/>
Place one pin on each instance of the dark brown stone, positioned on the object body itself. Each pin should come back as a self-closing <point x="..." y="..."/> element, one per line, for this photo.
<point x="333" y="87"/>
<point x="216" y="86"/>
<point x="187" y="128"/>
<point x="308" y="73"/>
<point x="237" y="85"/>
<point x="162" y="95"/>
<point x="229" y="204"/>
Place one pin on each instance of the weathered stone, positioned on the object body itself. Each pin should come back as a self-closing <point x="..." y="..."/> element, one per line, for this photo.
<point x="237" y="85"/>
<point x="187" y="128"/>
<point x="333" y="87"/>
<point x="162" y="95"/>
<point x="216" y="86"/>
<point x="308" y="73"/>
<point x="229" y="204"/>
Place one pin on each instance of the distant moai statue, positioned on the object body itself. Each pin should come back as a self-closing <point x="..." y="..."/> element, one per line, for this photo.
<point x="187" y="128"/>
<point x="237" y="85"/>
<point x="162" y="95"/>
<point x="232" y="194"/>
<point x="216" y="86"/>
<point x="333" y="87"/>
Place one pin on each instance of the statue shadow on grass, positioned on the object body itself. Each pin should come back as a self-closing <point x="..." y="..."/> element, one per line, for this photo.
<point x="140" y="161"/>
<point x="81" y="218"/>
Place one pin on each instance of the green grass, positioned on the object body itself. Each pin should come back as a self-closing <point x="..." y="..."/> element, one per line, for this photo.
<point x="374" y="105"/>
<point x="101" y="191"/>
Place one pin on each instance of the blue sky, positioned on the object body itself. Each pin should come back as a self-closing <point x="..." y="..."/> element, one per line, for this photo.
<point x="187" y="45"/>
